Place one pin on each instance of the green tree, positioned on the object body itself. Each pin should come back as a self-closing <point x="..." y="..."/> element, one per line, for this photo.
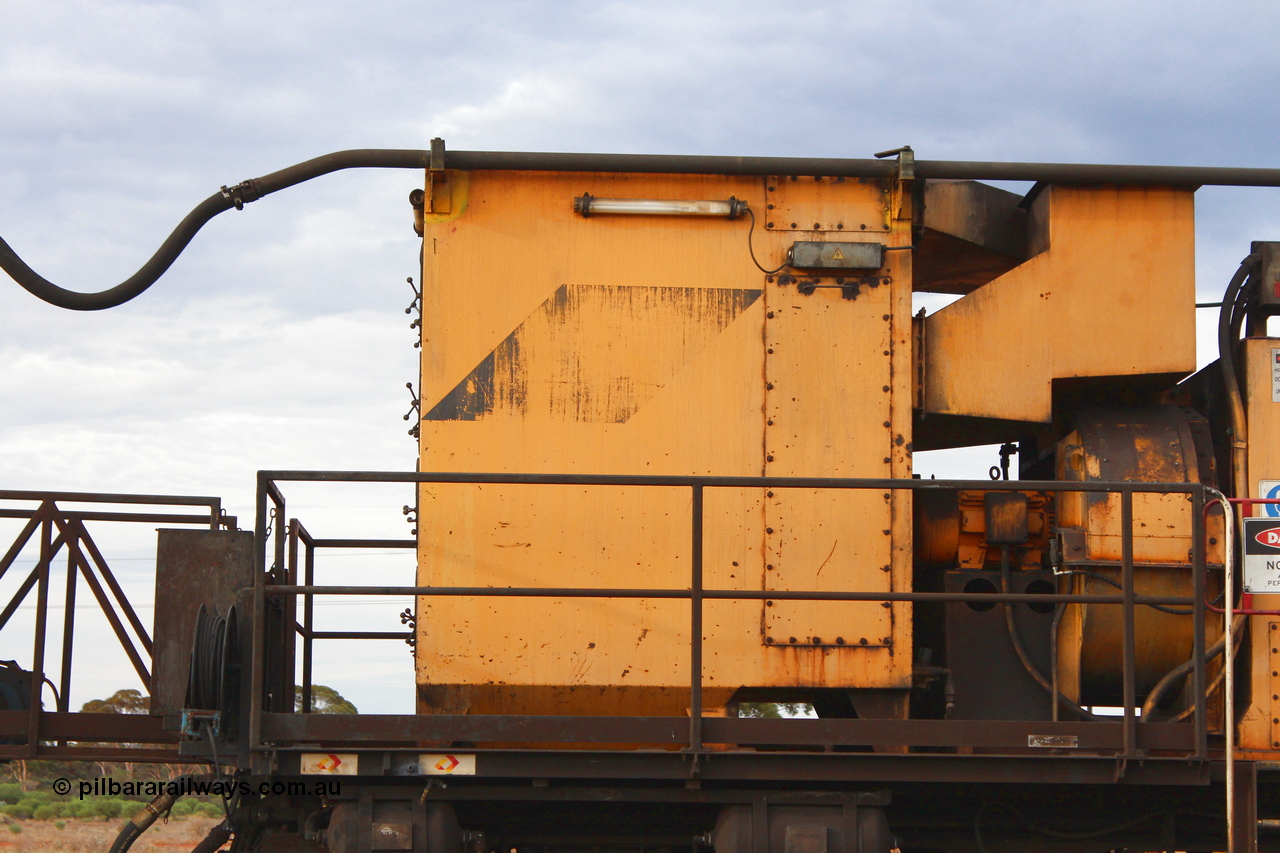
<point x="120" y="702"/>
<point x="771" y="710"/>
<point x="324" y="700"/>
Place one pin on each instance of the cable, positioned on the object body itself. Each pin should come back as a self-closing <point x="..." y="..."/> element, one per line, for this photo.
<point x="1229" y="320"/>
<point x="1163" y="608"/>
<point x="1018" y="648"/>
<point x="227" y="198"/>
<point x="752" y="250"/>
<point x="1174" y="675"/>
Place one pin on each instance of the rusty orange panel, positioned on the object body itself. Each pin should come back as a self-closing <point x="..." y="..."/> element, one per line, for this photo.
<point x="1258" y="728"/>
<point x="1112" y="295"/>
<point x="640" y="345"/>
<point x="850" y="205"/>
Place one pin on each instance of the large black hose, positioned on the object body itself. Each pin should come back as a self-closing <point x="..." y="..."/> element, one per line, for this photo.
<point x="141" y="821"/>
<point x="1229" y="320"/>
<point x="229" y="197"/>
<point x="215" y="839"/>
<point x="411" y="158"/>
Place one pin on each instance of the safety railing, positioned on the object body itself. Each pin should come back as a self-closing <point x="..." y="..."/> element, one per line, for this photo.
<point x="301" y="545"/>
<point x="56" y="523"/>
<point x="1126" y="739"/>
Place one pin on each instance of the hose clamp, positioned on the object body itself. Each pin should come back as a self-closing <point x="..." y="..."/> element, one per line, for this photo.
<point x="242" y="193"/>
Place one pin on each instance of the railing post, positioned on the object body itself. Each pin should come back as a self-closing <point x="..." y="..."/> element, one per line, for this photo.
<point x="258" y="615"/>
<point x="1126" y="570"/>
<point x="695" y="608"/>
<point x="308" y="618"/>
<point x="1199" y="567"/>
<point x="42" y="624"/>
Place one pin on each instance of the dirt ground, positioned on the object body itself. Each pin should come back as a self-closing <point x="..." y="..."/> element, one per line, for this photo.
<point x="95" y="836"/>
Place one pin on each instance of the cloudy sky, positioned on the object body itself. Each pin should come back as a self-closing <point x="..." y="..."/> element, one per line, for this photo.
<point x="279" y="339"/>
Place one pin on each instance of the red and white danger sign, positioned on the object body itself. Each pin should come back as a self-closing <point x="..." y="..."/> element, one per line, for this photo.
<point x="1262" y="555"/>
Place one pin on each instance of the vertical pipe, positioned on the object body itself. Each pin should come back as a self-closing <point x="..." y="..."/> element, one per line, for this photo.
<point x="258" y="614"/>
<point x="695" y="608"/>
<point x="1126" y="569"/>
<point x="308" y="621"/>
<point x="42" y="620"/>
<point x="290" y="606"/>
<point x="68" y="624"/>
<point x="1228" y="662"/>
<point x="1198" y="673"/>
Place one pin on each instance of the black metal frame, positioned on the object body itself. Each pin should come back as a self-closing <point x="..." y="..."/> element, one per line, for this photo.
<point x="1121" y="742"/>
<point x="289" y="551"/>
<point x="84" y="559"/>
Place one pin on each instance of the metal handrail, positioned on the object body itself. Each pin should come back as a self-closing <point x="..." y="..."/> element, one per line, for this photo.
<point x="269" y="493"/>
<point x="59" y="528"/>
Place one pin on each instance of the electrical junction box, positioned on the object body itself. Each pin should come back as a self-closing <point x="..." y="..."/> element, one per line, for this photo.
<point x="822" y="255"/>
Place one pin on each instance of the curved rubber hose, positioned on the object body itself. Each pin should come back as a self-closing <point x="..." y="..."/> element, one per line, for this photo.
<point x="129" y="833"/>
<point x="227" y="198"/>
<point x="1228" y="322"/>
<point x="214" y="840"/>
<point x="1178" y="672"/>
<point x="1027" y="663"/>
<point x="140" y="822"/>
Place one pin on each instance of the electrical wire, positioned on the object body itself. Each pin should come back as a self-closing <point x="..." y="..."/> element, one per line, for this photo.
<point x="1027" y="664"/>
<point x="751" y="248"/>
<point x="1163" y="608"/>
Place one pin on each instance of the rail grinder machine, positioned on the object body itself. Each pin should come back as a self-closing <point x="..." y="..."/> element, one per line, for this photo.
<point x="676" y="582"/>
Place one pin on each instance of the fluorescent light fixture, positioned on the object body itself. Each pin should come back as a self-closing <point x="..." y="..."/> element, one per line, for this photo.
<point x="589" y="205"/>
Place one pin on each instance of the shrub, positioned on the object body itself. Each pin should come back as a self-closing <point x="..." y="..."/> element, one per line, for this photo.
<point x="15" y="828"/>
<point x="208" y="810"/>
<point x="20" y="811"/>
<point x="60" y="824"/>
<point x="47" y="811"/>
<point x="109" y="808"/>
<point x="10" y="792"/>
<point x="80" y="808"/>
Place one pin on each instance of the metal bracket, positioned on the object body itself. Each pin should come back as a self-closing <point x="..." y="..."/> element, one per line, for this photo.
<point x="194" y="721"/>
<point x="415" y="406"/>
<point x="849" y="287"/>
<point x="906" y="161"/>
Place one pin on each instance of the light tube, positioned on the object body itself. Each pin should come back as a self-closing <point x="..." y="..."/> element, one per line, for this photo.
<point x="589" y="205"/>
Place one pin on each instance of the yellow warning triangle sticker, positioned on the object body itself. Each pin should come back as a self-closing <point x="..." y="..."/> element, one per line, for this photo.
<point x="838" y="255"/>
